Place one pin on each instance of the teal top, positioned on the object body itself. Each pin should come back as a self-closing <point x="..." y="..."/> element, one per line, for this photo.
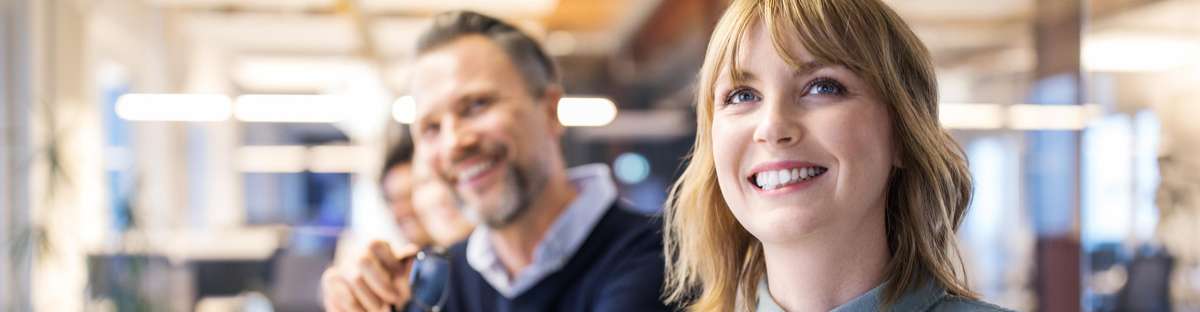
<point x="931" y="298"/>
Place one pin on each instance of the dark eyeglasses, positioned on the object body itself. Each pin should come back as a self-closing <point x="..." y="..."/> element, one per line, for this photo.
<point x="428" y="281"/>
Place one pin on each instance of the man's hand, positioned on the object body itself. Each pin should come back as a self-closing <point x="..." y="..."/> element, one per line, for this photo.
<point x="374" y="282"/>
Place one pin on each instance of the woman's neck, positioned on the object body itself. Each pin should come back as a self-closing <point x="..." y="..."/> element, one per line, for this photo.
<point x="828" y="269"/>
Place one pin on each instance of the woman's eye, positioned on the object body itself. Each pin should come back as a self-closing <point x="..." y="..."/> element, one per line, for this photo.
<point x="740" y="96"/>
<point x="826" y="87"/>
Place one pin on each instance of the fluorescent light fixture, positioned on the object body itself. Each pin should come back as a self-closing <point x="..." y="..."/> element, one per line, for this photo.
<point x="174" y="107"/>
<point x="572" y="111"/>
<point x="293" y="108"/>
<point x="335" y="158"/>
<point x="1050" y="117"/>
<point x="980" y="116"/>
<point x="586" y="111"/>
<point x="404" y="110"/>
<point x="272" y="158"/>
<point x="971" y="116"/>
<point x="1138" y="52"/>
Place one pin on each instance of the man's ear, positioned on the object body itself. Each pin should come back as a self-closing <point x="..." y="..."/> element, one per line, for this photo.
<point x="549" y="102"/>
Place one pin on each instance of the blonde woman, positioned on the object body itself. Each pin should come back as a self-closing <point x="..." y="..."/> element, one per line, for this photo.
<point x="820" y="178"/>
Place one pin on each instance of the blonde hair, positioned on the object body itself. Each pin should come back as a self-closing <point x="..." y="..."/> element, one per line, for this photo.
<point x="714" y="262"/>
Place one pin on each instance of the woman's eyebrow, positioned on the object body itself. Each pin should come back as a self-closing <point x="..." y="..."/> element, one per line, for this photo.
<point x="742" y="76"/>
<point x="801" y="70"/>
<point x="807" y="68"/>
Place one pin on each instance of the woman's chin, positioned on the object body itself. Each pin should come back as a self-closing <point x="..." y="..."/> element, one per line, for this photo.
<point x="784" y="224"/>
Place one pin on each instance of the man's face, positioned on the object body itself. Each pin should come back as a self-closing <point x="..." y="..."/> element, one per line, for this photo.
<point x="398" y="190"/>
<point x="487" y="138"/>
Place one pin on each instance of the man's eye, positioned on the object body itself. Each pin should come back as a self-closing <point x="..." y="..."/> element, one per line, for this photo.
<point x="430" y="130"/>
<point x="478" y="105"/>
<point x="826" y="87"/>
<point x="740" y="96"/>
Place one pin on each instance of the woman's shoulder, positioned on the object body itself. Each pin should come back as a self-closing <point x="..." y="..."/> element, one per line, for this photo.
<point x="957" y="304"/>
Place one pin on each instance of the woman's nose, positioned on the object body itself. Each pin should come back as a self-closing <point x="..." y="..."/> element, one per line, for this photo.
<point x="778" y="126"/>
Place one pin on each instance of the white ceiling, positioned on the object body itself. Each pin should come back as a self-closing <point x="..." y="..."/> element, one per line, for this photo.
<point x="952" y="29"/>
<point x="1171" y="17"/>
<point x="521" y="8"/>
<point x="934" y="10"/>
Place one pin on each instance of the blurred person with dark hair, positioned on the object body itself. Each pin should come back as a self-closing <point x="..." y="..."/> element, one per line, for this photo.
<point x="397" y="183"/>
<point x="424" y="214"/>
<point x="549" y="238"/>
<point x="434" y="206"/>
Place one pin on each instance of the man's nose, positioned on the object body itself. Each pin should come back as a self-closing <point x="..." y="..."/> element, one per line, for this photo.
<point x="459" y="140"/>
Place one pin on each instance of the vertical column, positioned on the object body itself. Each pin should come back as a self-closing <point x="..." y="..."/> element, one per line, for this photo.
<point x="15" y="96"/>
<point x="215" y="179"/>
<point x="1053" y="158"/>
<point x="66" y="174"/>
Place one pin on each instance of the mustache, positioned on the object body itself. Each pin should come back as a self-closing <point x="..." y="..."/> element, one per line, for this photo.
<point x="468" y="152"/>
<point x="473" y="150"/>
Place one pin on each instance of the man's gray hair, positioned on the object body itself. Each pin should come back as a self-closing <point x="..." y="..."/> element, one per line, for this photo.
<point x="526" y="54"/>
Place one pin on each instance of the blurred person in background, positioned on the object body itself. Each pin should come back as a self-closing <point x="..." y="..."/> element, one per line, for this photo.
<point x="433" y="205"/>
<point x="399" y="184"/>
<point x="820" y="178"/>
<point x="423" y="211"/>
<point x="549" y="238"/>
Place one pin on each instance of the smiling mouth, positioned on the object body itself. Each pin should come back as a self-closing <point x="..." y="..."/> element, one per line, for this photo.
<point x="773" y="179"/>
<point x="474" y="171"/>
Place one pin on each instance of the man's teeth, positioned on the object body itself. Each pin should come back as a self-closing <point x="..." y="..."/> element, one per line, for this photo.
<point x="769" y="180"/>
<point x="474" y="170"/>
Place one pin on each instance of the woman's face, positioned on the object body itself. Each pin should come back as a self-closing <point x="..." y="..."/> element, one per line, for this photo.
<point x="800" y="152"/>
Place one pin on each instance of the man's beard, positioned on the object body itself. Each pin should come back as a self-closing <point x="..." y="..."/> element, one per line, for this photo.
<point x="520" y="189"/>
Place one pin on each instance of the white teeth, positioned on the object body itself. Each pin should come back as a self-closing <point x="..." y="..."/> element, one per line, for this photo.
<point x="474" y="170"/>
<point x="770" y="180"/>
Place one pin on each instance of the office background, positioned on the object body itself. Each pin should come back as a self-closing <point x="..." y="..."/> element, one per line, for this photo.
<point x="204" y="155"/>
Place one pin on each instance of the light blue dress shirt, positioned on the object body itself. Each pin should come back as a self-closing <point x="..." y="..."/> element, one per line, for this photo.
<point x="596" y="193"/>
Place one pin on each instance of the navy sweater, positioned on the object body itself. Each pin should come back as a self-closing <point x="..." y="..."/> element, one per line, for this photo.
<point x="618" y="268"/>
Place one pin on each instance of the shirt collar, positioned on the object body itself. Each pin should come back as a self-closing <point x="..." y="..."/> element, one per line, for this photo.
<point x="919" y="299"/>
<point x="596" y="193"/>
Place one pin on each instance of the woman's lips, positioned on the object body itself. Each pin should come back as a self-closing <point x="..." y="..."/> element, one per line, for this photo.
<point x="784" y="178"/>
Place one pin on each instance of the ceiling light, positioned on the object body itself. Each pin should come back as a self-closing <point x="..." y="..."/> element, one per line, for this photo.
<point x="404" y="110"/>
<point x="294" y="108"/>
<point x="586" y="111"/>
<point x="173" y="107"/>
